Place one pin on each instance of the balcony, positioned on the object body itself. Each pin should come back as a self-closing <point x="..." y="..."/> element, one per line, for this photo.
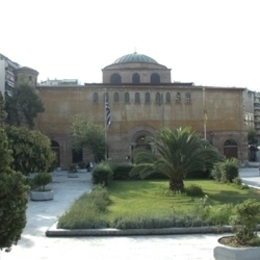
<point x="9" y="82"/>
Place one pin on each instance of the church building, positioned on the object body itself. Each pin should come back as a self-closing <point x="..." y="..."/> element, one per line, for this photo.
<point x="142" y="100"/>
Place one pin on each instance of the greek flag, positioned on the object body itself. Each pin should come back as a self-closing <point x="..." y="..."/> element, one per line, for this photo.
<point x="108" y="119"/>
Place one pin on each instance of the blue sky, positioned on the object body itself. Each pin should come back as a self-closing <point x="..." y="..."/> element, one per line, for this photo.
<point x="213" y="43"/>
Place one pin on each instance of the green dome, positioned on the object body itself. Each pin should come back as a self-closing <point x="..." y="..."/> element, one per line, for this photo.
<point x="139" y="58"/>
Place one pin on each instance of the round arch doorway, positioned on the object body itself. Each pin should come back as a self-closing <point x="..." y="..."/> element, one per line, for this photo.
<point x="139" y="140"/>
<point x="230" y="149"/>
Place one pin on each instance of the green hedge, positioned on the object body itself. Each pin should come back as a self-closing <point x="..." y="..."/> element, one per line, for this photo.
<point x="102" y="173"/>
<point x="121" y="171"/>
<point x="226" y="171"/>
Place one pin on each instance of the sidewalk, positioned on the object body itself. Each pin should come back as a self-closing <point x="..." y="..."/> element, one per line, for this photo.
<point x="250" y="176"/>
<point x="34" y="245"/>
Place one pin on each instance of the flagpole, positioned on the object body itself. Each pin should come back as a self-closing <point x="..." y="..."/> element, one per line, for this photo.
<point x="105" y="120"/>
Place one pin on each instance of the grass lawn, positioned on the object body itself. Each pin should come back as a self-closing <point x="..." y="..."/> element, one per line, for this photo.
<point x="142" y="197"/>
<point x="149" y="203"/>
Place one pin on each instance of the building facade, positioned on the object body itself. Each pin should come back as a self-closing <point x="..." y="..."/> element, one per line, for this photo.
<point x="59" y="82"/>
<point x="12" y="74"/>
<point x="142" y="100"/>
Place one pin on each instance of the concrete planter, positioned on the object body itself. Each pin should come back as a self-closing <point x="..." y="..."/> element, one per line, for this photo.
<point x="72" y="175"/>
<point x="41" y="195"/>
<point x="223" y="252"/>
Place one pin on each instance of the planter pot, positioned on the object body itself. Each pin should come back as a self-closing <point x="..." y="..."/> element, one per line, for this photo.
<point x="73" y="175"/>
<point x="223" y="252"/>
<point x="41" y="195"/>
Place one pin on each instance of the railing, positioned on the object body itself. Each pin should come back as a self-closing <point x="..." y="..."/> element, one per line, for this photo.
<point x="9" y="81"/>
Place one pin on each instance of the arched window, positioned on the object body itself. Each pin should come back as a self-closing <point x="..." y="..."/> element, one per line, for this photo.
<point x="127" y="97"/>
<point x="188" y="98"/>
<point x="168" y="97"/>
<point x="116" y="97"/>
<point x="155" y="78"/>
<point x="178" y="97"/>
<point x="136" y="78"/>
<point x="137" y="97"/>
<point x="157" y="97"/>
<point x="115" y="78"/>
<point x="147" y="97"/>
<point x="95" y="97"/>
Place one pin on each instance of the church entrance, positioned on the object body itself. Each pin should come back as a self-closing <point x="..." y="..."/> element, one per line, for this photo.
<point x="230" y="149"/>
<point x="140" y="141"/>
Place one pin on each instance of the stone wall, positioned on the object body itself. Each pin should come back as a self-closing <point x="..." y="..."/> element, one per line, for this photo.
<point x="224" y="110"/>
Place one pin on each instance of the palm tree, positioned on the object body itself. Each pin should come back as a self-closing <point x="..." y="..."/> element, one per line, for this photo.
<point x="175" y="154"/>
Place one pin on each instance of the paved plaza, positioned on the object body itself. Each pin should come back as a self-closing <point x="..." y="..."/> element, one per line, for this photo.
<point x="34" y="245"/>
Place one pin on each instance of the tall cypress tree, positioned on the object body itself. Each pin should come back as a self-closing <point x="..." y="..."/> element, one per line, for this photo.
<point x="13" y="193"/>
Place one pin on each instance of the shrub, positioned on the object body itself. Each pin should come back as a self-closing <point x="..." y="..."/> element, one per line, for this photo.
<point x="244" y="220"/>
<point x="194" y="190"/>
<point x="221" y="215"/>
<point x="100" y="198"/>
<point x="226" y="171"/>
<point x="217" y="171"/>
<point x="102" y="173"/>
<point x="13" y="204"/>
<point x="231" y="169"/>
<point x="121" y="171"/>
<point x="13" y="196"/>
<point x="82" y="165"/>
<point x="88" y="211"/>
<point x="31" y="150"/>
<point x="203" y="208"/>
<point x="237" y="181"/>
<point x="245" y="187"/>
<point x="42" y="179"/>
<point x="150" y="221"/>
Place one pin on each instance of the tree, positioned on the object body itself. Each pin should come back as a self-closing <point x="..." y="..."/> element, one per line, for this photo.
<point x="252" y="135"/>
<point x="23" y="106"/>
<point x="3" y="113"/>
<point x="31" y="150"/>
<point x="13" y="194"/>
<point x="89" y="135"/>
<point x="175" y="154"/>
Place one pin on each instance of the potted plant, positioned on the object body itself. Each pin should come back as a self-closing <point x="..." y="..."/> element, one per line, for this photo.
<point x="245" y="243"/>
<point x="73" y="172"/>
<point x="82" y="166"/>
<point x="39" y="192"/>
